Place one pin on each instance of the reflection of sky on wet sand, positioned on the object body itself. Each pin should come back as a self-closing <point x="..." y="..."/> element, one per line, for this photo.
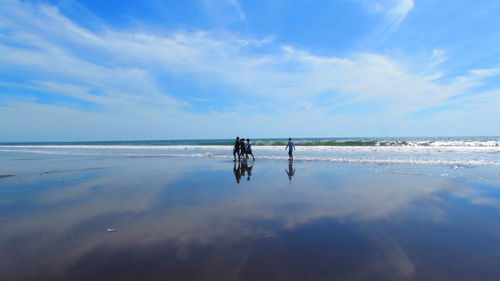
<point x="188" y="219"/>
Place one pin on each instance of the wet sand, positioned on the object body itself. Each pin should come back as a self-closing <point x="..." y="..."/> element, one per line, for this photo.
<point x="213" y="219"/>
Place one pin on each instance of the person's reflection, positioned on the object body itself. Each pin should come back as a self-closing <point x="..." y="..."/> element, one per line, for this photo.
<point x="237" y="172"/>
<point x="249" y="170"/>
<point x="291" y="171"/>
<point x="244" y="167"/>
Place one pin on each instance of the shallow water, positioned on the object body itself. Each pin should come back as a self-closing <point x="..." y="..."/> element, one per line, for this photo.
<point x="208" y="219"/>
<point x="460" y="153"/>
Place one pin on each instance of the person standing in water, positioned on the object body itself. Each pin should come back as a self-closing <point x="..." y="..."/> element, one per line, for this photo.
<point x="236" y="149"/>
<point x="249" y="149"/>
<point x="243" y="147"/>
<point x="291" y="148"/>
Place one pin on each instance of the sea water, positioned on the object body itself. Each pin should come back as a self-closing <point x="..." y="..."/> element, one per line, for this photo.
<point x="448" y="156"/>
<point x="414" y="209"/>
<point x="431" y="150"/>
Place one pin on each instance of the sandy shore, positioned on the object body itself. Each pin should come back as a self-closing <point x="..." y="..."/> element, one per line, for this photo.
<point x="213" y="219"/>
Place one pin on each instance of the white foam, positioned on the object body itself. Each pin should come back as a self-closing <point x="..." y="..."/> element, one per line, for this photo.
<point x="374" y="155"/>
<point x="422" y="149"/>
<point x="132" y="147"/>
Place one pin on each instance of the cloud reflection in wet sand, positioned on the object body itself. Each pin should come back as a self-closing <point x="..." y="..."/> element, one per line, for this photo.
<point x="189" y="220"/>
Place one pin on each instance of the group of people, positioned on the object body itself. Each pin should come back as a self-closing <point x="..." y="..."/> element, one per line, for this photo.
<point x="243" y="148"/>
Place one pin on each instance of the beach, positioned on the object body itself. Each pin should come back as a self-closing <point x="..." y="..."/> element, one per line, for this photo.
<point x="241" y="140"/>
<point x="67" y="216"/>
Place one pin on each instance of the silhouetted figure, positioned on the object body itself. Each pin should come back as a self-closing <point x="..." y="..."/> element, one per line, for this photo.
<point x="291" y="171"/>
<point x="291" y="148"/>
<point x="249" y="149"/>
<point x="236" y="149"/>
<point x="242" y="147"/>
<point x="237" y="172"/>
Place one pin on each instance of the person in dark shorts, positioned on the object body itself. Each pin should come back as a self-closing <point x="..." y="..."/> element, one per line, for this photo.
<point x="249" y="149"/>
<point x="291" y="148"/>
<point x="243" y="150"/>
<point x="236" y="149"/>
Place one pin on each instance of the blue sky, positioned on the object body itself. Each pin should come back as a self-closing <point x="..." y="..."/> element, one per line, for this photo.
<point x="111" y="70"/>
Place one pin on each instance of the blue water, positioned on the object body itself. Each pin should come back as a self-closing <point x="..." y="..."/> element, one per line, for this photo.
<point x="211" y="219"/>
<point x="476" y="157"/>
<point x="355" y="141"/>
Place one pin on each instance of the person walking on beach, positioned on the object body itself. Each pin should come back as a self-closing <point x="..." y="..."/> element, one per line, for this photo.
<point x="249" y="149"/>
<point x="291" y="148"/>
<point x="236" y="149"/>
<point x="242" y="147"/>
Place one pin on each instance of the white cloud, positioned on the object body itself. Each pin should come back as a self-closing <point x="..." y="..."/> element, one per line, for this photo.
<point x="396" y="10"/>
<point x="236" y="4"/>
<point x="224" y="12"/>
<point x="487" y="72"/>
<point x="393" y="14"/>
<point x="401" y="8"/>
<point x="123" y="73"/>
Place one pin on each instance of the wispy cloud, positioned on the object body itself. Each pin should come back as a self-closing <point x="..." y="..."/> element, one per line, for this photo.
<point x="393" y="13"/>
<point x="236" y="4"/>
<point x="395" y="10"/>
<point x="401" y="8"/>
<point x="225" y="12"/>
<point x="127" y="74"/>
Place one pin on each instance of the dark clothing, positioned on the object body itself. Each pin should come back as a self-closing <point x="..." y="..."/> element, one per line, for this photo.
<point x="236" y="149"/>
<point x="291" y="148"/>
<point x="237" y="173"/>
<point x="243" y="149"/>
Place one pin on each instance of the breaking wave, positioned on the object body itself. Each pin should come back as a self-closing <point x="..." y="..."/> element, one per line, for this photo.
<point x="430" y="154"/>
<point x="312" y="142"/>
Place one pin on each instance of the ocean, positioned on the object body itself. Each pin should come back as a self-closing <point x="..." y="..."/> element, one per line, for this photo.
<point x="458" y="151"/>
